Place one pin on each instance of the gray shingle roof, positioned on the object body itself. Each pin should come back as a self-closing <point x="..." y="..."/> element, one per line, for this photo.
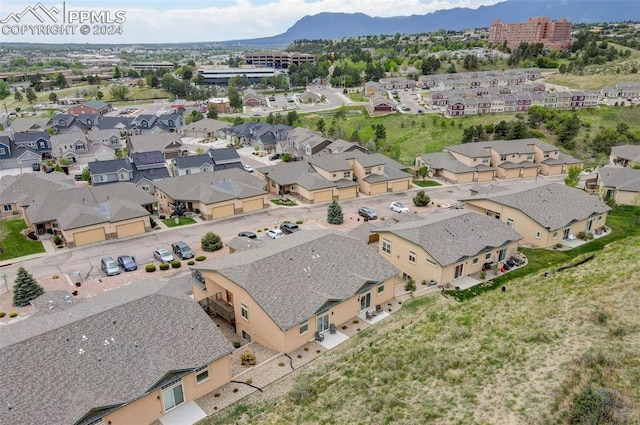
<point x="154" y="141"/>
<point x="503" y="147"/>
<point x="193" y="161"/>
<point x="21" y="125"/>
<point x="224" y="155"/>
<point x="207" y="125"/>
<point x="625" y="179"/>
<point x="293" y="277"/>
<point x="452" y="235"/>
<point x="24" y="187"/>
<point x="629" y="152"/>
<point x="155" y="326"/>
<point x="110" y="166"/>
<point x="553" y="206"/>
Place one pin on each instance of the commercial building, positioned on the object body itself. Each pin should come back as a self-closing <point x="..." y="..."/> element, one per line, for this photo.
<point x="555" y="34"/>
<point x="278" y="60"/>
<point x="222" y="75"/>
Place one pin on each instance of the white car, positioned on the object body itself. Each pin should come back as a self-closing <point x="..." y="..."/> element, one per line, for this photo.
<point x="399" y="207"/>
<point x="163" y="255"/>
<point x="275" y="233"/>
<point x="248" y="168"/>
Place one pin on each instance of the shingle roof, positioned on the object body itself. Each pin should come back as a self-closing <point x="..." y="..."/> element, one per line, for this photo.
<point x="629" y="152"/>
<point x="153" y="141"/>
<point x="207" y="125"/>
<point x="151" y="329"/>
<point x="147" y="158"/>
<point x="293" y="277"/>
<point x="24" y="187"/>
<point x="452" y="235"/>
<point x="110" y="166"/>
<point x="625" y="179"/>
<point x="224" y="155"/>
<point x="552" y="206"/>
<point x="20" y="125"/>
<point x="446" y="161"/>
<point x="193" y="161"/>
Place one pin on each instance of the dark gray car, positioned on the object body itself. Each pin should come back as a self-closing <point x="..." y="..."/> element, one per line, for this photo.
<point x="182" y="250"/>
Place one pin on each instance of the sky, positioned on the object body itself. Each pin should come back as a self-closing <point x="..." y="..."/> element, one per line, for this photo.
<point x="163" y="21"/>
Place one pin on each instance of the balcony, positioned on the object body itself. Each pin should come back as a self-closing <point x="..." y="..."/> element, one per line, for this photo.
<point x="216" y="306"/>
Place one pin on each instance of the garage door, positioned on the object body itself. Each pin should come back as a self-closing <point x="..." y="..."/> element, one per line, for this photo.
<point x="223" y="211"/>
<point x="378" y="188"/>
<point x="347" y="193"/>
<point x="253" y="205"/>
<point x="130" y="229"/>
<point x="400" y="186"/>
<point x="89" y="236"/>
<point x="323" y="196"/>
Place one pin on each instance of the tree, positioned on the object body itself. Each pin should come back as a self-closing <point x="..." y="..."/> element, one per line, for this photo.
<point x="380" y="132"/>
<point x="119" y="92"/>
<point x="421" y="199"/>
<point x="423" y="172"/>
<point x="212" y="112"/>
<point x="573" y="176"/>
<point x="99" y="95"/>
<point x="18" y="96"/>
<point x="86" y="174"/>
<point x="292" y="118"/>
<point x="141" y="83"/>
<point x="61" y="81"/>
<point x="31" y="95"/>
<point x="235" y="101"/>
<point x="25" y="289"/>
<point x="286" y="157"/>
<point x="117" y="73"/>
<point x="320" y="125"/>
<point x="53" y="98"/>
<point x="4" y="89"/>
<point x="211" y="242"/>
<point x="334" y="213"/>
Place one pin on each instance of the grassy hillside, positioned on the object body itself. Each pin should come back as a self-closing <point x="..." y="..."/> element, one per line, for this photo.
<point x="548" y="350"/>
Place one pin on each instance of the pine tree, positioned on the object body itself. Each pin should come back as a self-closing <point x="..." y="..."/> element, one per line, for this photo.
<point x="334" y="213"/>
<point x="25" y="289"/>
<point x="421" y="199"/>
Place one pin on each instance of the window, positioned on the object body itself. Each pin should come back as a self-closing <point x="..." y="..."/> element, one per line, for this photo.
<point x="510" y="222"/>
<point x="3" y="151"/>
<point x="367" y="171"/>
<point x="244" y="311"/>
<point x="405" y="277"/>
<point x="205" y="169"/>
<point x="8" y="207"/>
<point x="170" y="123"/>
<point x="555" y="234"/>
<point x="599" y="218"/>
<point x="475" y="260"/>
<point x="537" y="235"/>
<point x="381" y="288"/>
<point x="335" y="175"/>
<point x="101" y="178"/>
<point x="145" y="188"/>
<point x="503" y="157"/>
<point x="304" y="327"/>
<point x="430" y="261"/>
<point x="347" y="174"/>
<point x="202" y="374"/>
<point x="172" y="397"/>
<point x="123" y="176"/>
<point x="246" y="336"/>
<point x="187" y="171"/>
<point x="412" y="257"/>
<point x="386" y="246"/>
<point x="487" y="256"/>
<point x="498" y="216"/>
<point x="293" y="187"/>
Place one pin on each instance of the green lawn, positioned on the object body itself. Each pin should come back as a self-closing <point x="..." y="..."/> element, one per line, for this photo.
<point x="171" y="222"/>
<point x="15" y="244"/>
<point x="426" y="183"/>
<point x="284" y="203"/>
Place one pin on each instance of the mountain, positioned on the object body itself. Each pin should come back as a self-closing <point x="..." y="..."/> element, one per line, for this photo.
<point x="336" y="25"/>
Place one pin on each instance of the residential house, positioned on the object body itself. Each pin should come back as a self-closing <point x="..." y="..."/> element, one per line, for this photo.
<point x="455" y="107"/>
<point x="206" y="128"/>
<point x="372" y="88"/>
<point x="129" y="355"/>
<point x="107" y="137"/>
<point x="93" y="107"/>
<point x="171" y="123"/>
<point x="471" y="106"/>
<point x="16" y="192"/>
<point x="283" y="293"/>
<point x="252" y="99"/>
<point x="213" y="195"/>
<point x="85" y="215"/>
<point x="380" y="105"/>
<point x="625" y="155"/>
<point x="446" y="245"/>
<point x="30" y="125"/>
<point x="394" y="83"/>
<point x="340" y="145"/>
<point x="445" y="166"/>
<point x="169" y="144"/>
<point x="225" y="158"/>
<point x="192" y="164"/>
<point x="68" y="123"/>
<point x="22" y="150"/>
<point x="543" y="215"/>
<point x="263" y="135"/>
<point x="303" y="143"/>
<point x="148" y="167"/>
<point x="620" y="185"/>
<point x="70" y="146"/>
<point x="112" y="171"/>
<point x="563" y="100"/>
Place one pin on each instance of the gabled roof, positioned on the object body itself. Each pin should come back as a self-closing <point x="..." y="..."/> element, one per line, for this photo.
<point x="23" y="125"/>
<point x="192" y="161"/>
<point x="153" y="141"/>
<point x="147" y="158"/>
<point x="103" y="134"/>
<point x="628" y="152"/>
<point x="625" y="179"/>
<point x="65" y="139"/>
<point x="104" y="351"/>
<point x="110" y="166"/>
<point x="151" y="174"/>
<point x="446" y="161"/>
<point x="552" y="206"/>
<point x="294" y="277"/>
<point x="31" y="137"/>
<point x="22" y="188"/>
<point x="224" y="155"/>
<point x="96" y="104"/>
<point x="214" y="187"/>
<point x="453" y="235"/>
<point x="207" y="125"/>
<point x="115" y="123"/>
<point x="502" y="147"/>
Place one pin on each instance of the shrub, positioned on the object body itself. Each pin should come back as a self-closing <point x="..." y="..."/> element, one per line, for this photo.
<point x="585" y="236"/>
<point x="410" y="285"/>
<point x="595" y="406"/>
<point x="236" y="344"/>
<point x="248" y="358"/>
<point x="176" y="264"/>
<point x="201" y="258"/>
<point x="150" y="268"/>
<point x="13" y="314"/>
<point x="2" y="314"/>
<point x="164" y="266"/>
<point x="57" y="240"/>
<point x="303" y="392"/>
<point x="190" y="263"/>
<point x="162" y="217"/>
<point x="421" y="199"/>
<point x="211" y="242"/>
<point x="299" y="221"/>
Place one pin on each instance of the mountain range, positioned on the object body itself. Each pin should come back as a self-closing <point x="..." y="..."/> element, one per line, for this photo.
<point x="336" y="25"/>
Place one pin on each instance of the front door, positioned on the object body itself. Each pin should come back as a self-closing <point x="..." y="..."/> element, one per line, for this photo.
<point x="565" y="235"/>
<point x="365" y="301"/>
<point x="589" y="224"/>
<point x="458" y="273"/>
<point x="323" y="322"/>
<point x="503" y="254"/>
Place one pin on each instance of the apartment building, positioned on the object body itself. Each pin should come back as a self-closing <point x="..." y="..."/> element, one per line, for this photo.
<point x="555" y="34"/>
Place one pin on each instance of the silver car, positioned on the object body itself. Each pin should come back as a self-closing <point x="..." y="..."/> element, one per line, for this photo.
<point x="163" y="255"/>
<point x="109" y="267"/>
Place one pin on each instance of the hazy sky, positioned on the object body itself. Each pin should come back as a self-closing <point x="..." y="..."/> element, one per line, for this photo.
<point x="162" y="21"/>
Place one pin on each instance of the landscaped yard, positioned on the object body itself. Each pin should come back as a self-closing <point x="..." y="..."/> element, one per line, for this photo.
<point x="426" y="183"/>
<point x="284" y="202"/>
<point x="549" y="350"/>
<point x="171" y="222"/>
<point x="15" y="244"/>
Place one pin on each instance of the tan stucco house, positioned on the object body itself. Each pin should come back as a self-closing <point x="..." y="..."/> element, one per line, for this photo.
<point x="17" y="192"/>
<point x="85" y="215"/>
<point x="543" y="215"/>
<point x="622" y="185"/>
<point x="446" y="245"/>
<point x="215" y="194"/>
<point x="625" y="155"/>
<point x="126" y="356"/>
<point x="282" y="293"/>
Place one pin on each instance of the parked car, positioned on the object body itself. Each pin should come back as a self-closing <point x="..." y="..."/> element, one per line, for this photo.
<point x="163" y="255"/>
<point x="35" y="166"/>
<point x="249" y="235"/>
<point x="288" y="228"/>
<point x="109" y="267"/>
<point x="367" y="213"/>
<point x="274" y="156"/>
<point x="399" y="207"/>
<point x="248" y="168"/>
<point x="274" y="233"/>
<point x="182" y="250"/>
<point x="128" y="263"/>
<point x="272" y="99"/>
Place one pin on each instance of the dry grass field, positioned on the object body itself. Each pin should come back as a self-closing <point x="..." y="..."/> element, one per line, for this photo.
<point x="549" y="350"/>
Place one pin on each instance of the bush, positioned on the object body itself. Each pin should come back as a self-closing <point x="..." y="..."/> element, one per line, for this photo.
<point x="421" y="199"/>
<point x="190" y="263"/>
<point x="211" y="242"/>
<point x="595" y="406"/>
<point x="162" y="217"/>
<point x="299" y="221"/>
<point x="303" y="392"/>
<point x="201" y="258"/>
<point x="176" y="264"/>
<point x="150" y="268"/>
<point x="236" y="344"/>
<point x="585" y="236"/>
<point x="164" y="266"/>
<point x="57" y="240"/>
<point x="2" y="314"/>
<point x="248" y="358"/>
<point x="13" y="314"/>
<point x="410" y="285"/>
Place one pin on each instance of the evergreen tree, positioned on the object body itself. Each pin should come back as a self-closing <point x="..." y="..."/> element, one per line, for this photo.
<point x="421" y="199"/>
<point x="211" y="242"/>
<point x="334" y="213"/>
<point x="25" y="289"/>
